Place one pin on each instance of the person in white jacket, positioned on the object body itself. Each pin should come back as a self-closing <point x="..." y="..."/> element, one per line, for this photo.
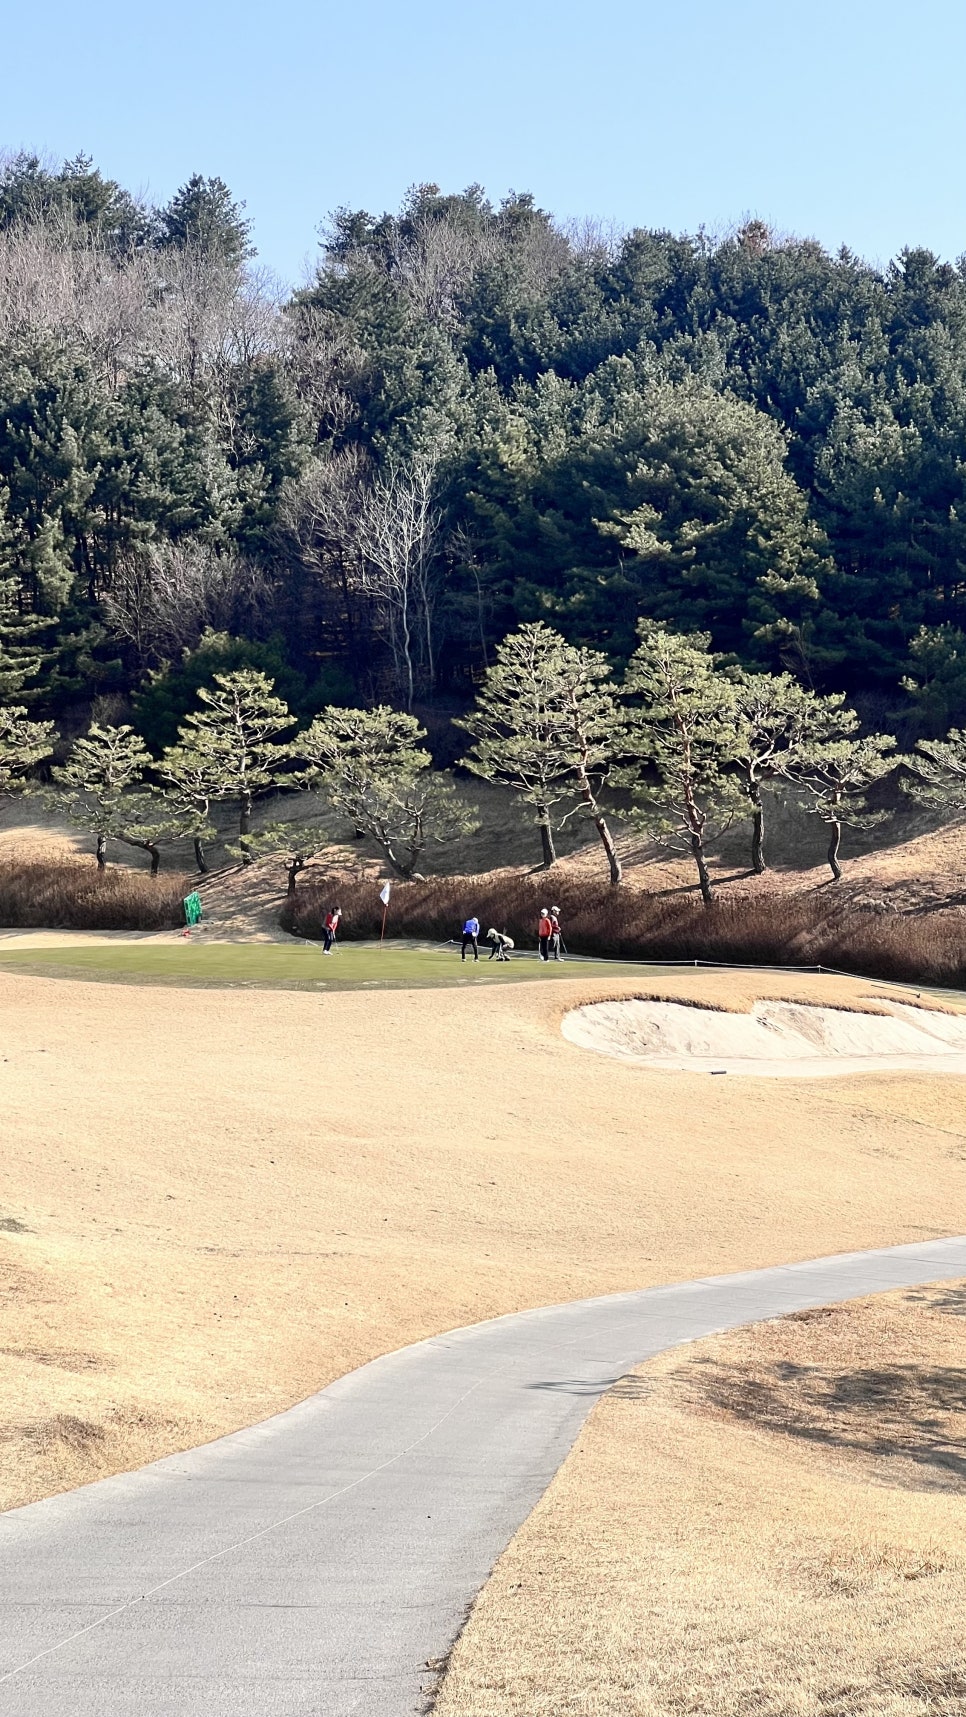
<point x="501" y="945"/>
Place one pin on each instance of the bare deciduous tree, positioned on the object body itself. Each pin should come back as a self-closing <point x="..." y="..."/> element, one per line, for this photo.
<point x="164" y="597"/>
<point x="196" y="317"/>
<point x="398" y="533"/>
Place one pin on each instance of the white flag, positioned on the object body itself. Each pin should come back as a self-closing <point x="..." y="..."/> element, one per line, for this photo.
<point x="384" y="894"/>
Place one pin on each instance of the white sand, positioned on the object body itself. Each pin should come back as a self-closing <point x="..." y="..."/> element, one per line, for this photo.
<point x="775" y="1040"/>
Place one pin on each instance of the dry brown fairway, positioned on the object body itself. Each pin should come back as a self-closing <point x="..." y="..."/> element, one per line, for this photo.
<point x="772" y="1521"/>
<point x="213" y="1202"/>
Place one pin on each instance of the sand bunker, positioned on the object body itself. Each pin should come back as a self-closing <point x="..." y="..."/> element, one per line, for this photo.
<point x="775" y="1040"/>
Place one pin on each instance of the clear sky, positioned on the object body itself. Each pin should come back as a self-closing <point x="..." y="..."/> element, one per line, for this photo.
<point x="839" y="119"/>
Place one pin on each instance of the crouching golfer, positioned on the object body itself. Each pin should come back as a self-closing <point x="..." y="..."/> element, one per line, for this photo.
<point x="471" y="938"/>
<point x="330" y="928"/>
<point x="501" y="945"/>
<point x="544" y="933"/>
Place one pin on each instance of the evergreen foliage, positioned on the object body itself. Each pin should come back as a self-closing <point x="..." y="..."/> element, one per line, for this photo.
<point x="780" y="727"/>
<point x="523" y="724"/>
<point x="229" y="751"/>
<point x="95" y="788"/>
<point x="204" y="216"/>
<point x="836" y="780"/>
<point x="23" y="744"/>
<point x="938" y="772"/>
<point x="740" y="460"/>
<point x="372" y="769"/>
<point x="936" y="679"/>
<point x="171" y="693"/>
<point x="681" y="737"/>
<point x="20" y="653"/>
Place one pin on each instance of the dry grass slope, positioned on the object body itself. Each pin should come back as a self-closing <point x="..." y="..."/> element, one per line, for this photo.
<point x="772" y="1521"/>
<point x="214" y="1202"/>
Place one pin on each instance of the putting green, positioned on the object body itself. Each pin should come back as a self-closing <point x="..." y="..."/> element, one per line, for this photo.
<point x="290" y="966"/>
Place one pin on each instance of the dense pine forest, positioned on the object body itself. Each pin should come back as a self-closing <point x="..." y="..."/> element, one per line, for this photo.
<point x="471" y="418"/>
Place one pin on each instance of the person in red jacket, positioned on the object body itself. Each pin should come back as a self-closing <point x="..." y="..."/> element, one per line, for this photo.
<point x="330" y="928"/>
<point x="544" y="933"/>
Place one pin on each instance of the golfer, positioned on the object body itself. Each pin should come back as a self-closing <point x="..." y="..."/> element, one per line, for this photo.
<point x="555" y="933"/>
<point x="544" y="933"/>
<point x="501" y="945"/>
<point x="330" y="928"/>
<point x="471" y="938"/>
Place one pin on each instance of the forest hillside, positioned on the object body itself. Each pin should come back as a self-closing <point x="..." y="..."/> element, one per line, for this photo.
<point x="472" y="417"/>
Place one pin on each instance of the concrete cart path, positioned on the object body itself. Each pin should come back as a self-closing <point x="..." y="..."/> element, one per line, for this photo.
<point x="315" y="1563"/>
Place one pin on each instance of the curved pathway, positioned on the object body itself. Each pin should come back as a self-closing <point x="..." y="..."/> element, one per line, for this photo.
<point x="312" y="1565"/>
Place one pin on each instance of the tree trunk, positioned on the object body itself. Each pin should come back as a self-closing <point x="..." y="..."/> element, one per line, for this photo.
<point x="834" y="842"/>
<point x="297" y="864"/>
<point x="145" y="847"/>
<point x="408" y="659"/>
<point x="245" y="826"/>
<point x="600" y="824"/>
<point x="101" y="851"/>
<point x="546" y="837"/>
<point x="697" y="848"/>
<point x="387" y="843"/>
<point x="200" y="858"/>
<point x="427" y="627"/>
<point x="614" y="863"/>
<point x="757" y="833"/>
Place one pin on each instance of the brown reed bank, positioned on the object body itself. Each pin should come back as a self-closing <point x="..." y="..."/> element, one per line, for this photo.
<point x="779" y="927"/>
<point x="73" y="895"/>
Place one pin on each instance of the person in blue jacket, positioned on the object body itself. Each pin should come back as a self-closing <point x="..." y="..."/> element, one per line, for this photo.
<point x="471" y="938"/>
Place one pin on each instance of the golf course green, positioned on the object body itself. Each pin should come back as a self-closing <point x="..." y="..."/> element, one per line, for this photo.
<point x="293" y="966"/>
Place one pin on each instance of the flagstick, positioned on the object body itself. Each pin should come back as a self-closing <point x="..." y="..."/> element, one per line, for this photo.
<point x="384" y="894"/>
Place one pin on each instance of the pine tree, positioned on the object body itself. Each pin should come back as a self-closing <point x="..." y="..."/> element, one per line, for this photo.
<point x="779" y="726"/>
<point x="95" y="787"/>
<point x="681" y="734"/>
<point x="515" y="727"/>
<point x="835" y="782"/>
<point x="939" y="772"/>
<point x="20" y="656"/>
<point x="203" y="215"/>
<point x="936" y="680"/>
<point x="372" y="769"/>
<point x="23" y="744"/>
<point x="189" y="795"/>
<point x="297" y="840"/>
<point x="229" y="750"/>
<point x="149" y="820"/>
<point x="545" y="725"/>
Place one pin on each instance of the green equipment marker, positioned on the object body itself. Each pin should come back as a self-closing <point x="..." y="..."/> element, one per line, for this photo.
<point x="192" y="908"/>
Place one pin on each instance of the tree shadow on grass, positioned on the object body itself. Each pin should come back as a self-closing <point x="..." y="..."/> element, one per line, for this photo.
<point x="913" y="1416"/>
<point x="951" y="1300"/>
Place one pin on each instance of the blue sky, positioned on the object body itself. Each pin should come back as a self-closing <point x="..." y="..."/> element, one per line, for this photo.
<point x="841" y="121"/>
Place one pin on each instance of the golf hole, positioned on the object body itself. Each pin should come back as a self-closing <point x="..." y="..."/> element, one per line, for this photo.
<point x="790" y="1040"/>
